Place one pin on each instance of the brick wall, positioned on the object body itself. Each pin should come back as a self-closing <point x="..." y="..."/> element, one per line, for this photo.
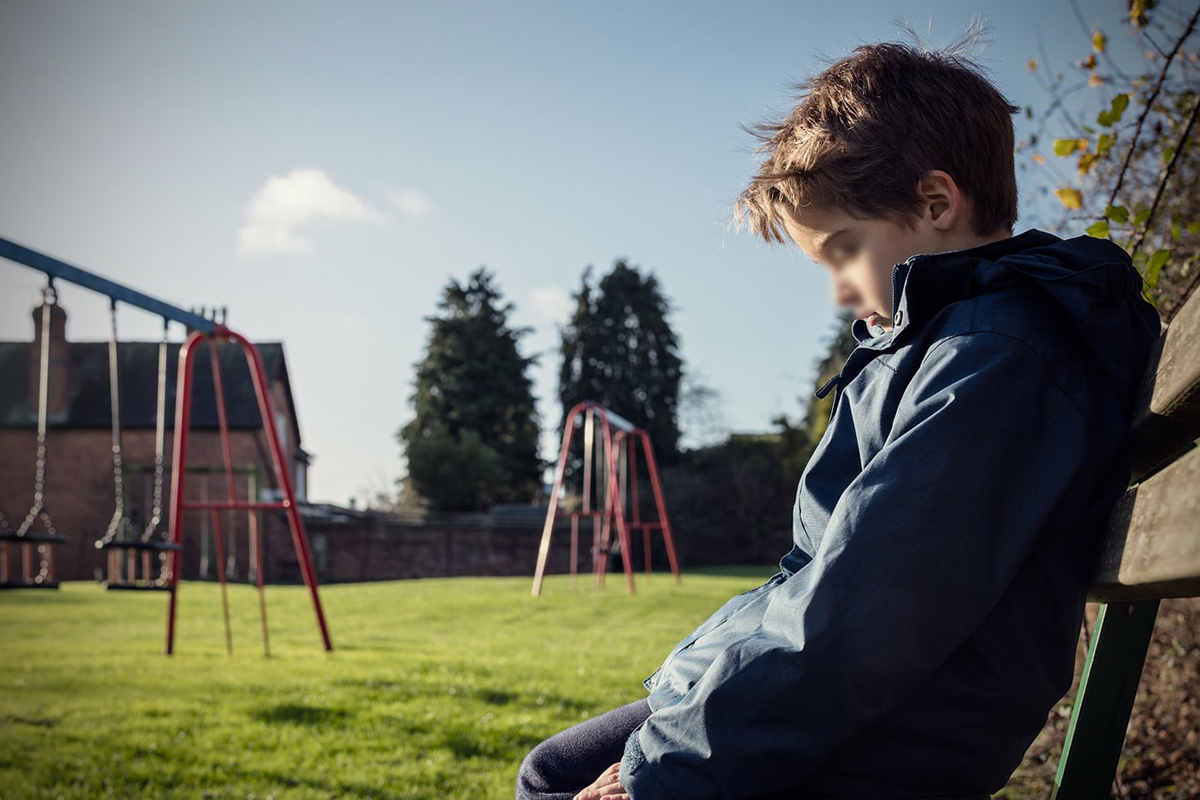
<point x="386" y="549"/>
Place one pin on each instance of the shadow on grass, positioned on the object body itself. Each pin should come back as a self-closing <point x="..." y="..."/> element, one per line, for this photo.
<point x="496" y="697"/>
<point x="41" y="722"/>
<point x="300" y="714"/>
<point x="402" y="690"/>
<point x="763" y="571"/>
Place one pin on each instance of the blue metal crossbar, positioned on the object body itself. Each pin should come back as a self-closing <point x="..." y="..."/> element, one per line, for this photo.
<point x="88" y="280"/>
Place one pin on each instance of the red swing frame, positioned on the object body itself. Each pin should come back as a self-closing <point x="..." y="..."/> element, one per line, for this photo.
<point x="183" y="412"/>
<point x="614" y="503"/>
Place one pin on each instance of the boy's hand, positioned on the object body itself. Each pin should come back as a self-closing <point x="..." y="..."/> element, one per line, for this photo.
<point x="607" y="786"/>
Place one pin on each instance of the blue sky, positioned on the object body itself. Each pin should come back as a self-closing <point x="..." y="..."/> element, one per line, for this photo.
<point x="323" y="169"/>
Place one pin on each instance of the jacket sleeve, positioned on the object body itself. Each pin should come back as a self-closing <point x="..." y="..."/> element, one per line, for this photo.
<point x="919" y="547"/>
<point x="716" y="618"/>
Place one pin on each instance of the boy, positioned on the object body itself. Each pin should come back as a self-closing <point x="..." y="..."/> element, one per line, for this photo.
<point x="926" y="619"/>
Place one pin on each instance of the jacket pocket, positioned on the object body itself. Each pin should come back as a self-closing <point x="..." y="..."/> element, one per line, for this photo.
<point x="731" y="607"/>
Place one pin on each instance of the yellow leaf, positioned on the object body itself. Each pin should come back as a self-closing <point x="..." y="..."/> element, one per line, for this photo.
<point x="1096" y="79"/>
<point x="1071" y="198"/>
<point x="1033" y="65"/>
<point x="1064" y="147"/>
<point x="1098" y="41"/>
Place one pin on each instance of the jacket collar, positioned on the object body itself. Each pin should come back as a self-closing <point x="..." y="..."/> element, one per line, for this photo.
<point x="939" y="279"/>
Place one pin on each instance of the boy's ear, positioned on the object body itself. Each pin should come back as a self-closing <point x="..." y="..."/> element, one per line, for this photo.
<point x="942" y="202"/>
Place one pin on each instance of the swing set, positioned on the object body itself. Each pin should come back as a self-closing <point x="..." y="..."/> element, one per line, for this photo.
<point x="616" y="482"/>
<point x="150" y="559"/>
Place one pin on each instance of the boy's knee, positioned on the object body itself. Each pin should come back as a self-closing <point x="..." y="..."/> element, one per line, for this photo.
<point x="531" y="775"/>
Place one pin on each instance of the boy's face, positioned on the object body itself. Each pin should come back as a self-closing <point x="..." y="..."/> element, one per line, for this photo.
<point x="859" y="255"/>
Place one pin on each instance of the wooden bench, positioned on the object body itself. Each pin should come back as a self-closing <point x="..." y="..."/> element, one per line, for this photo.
<point x="1151" y="550"/>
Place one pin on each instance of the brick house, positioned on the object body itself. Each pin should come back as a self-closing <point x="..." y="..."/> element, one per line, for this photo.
<point x="79" y="470"/>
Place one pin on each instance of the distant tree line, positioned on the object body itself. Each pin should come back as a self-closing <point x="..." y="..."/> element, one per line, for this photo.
<point x="473" y="438"/>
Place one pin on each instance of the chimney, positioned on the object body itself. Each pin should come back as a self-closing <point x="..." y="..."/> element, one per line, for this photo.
<point x="59" y="387"/>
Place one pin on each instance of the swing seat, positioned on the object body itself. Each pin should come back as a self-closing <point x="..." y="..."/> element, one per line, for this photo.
<point x="140" y="545"/>
<point x="32" y="537"/>
<point x="132" y="582"/>
<point x="128" y="587"/>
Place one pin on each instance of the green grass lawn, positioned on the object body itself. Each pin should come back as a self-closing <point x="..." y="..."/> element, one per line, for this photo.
<point x="437" y="688"/>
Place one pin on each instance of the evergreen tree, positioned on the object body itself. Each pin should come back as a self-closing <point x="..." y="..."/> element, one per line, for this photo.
<point x="841" y="344"/>
<point x="798" y="441"/>
<point x="474" y="439"/>
<point x="619" y="350"/>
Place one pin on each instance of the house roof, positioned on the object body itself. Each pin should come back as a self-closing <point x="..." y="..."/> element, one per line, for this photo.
<point x="88" y="401"/>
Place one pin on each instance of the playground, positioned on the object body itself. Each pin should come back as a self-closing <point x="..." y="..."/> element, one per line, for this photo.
<point x="436" y="688"/>
<point x="530" y="297"/>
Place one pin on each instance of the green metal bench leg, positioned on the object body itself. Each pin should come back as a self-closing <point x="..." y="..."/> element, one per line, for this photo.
<point x="1106" y="692"/>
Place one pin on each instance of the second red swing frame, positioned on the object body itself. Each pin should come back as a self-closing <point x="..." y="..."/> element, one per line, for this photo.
<point x="614" y="501"/>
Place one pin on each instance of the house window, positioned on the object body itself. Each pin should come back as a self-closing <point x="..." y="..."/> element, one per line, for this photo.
<point x="320" y="552"/>
<point x="281" y="427"/>
<point x="300" y="483"/>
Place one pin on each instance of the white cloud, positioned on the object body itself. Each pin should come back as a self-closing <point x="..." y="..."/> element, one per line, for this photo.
<point x="410" y="202"/>
<point x="279" y="214"/>
<point x="552" y="303"/>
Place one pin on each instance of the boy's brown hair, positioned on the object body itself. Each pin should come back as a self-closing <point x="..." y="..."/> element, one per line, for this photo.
<point x="871" y="125"/>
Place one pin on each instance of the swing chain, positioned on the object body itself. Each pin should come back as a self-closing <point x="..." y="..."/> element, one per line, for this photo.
<point x="38" y="511"/>
<point x="156" y="514"/>
<point x="120" y="522"/>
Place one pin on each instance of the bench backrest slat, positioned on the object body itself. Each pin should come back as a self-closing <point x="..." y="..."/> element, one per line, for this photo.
<point x="1151" y="546"/>
<point x="1167" y="411"/>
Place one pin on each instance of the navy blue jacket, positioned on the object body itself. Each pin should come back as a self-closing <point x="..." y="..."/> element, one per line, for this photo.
<point x="926" y="619"/>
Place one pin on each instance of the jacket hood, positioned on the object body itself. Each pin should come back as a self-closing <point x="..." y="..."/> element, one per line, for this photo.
<point x="1093" y="282"/>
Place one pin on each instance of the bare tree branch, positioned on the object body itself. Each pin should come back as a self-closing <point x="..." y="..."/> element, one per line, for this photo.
<point x="1137" y="131"/>
<point x="1166" y="176"/>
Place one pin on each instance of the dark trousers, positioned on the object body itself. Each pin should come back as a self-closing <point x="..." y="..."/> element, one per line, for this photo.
<point x="558" y="767"/>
